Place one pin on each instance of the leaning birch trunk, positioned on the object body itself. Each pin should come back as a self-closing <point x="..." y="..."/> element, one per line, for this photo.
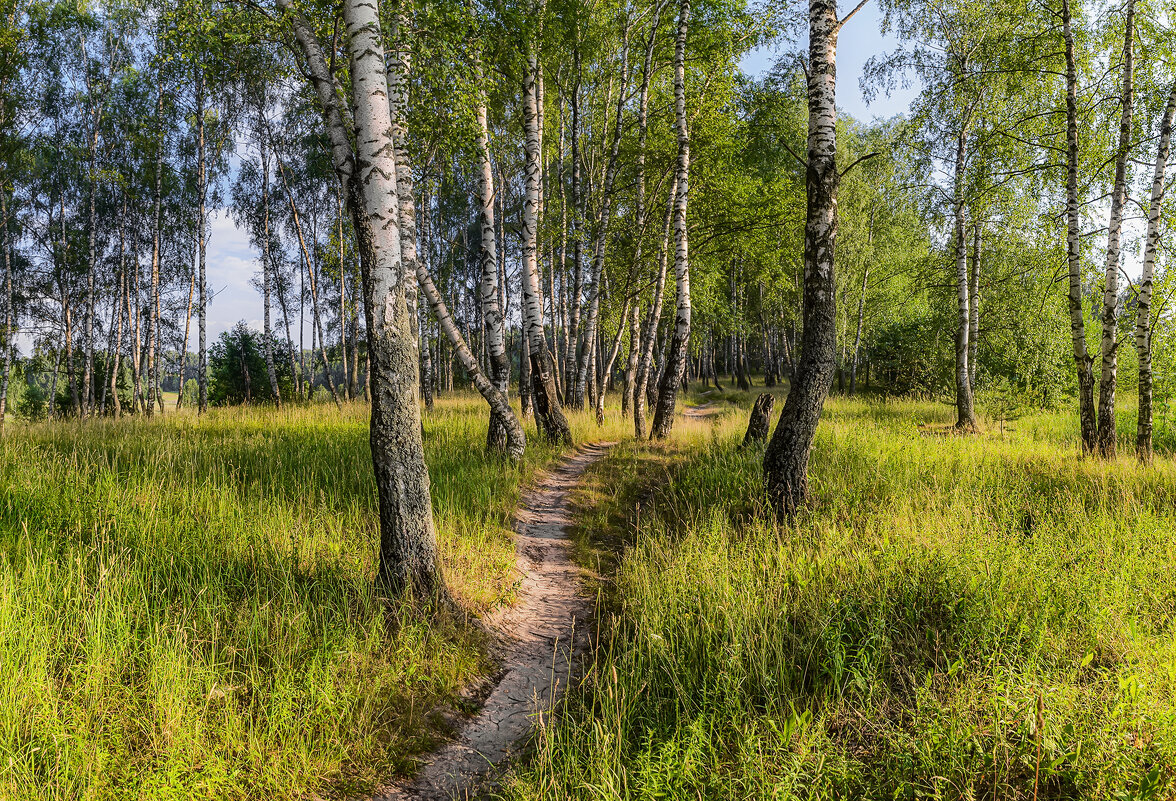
<point x="1083" y="361"/>
<point x="548" y="413"/>
<point x="602" y="224"/>
<point x="602" y="381"/>
<point x="1110" y="315"/>
<point x="514" y="439"/>
<point x="675" y="359"/>
<point x="857" y="339"/>
<point x="787" y="456"/>
<point x="267" y="272"/>
<point x="642" y="392"/>
<point x="631" y="363"/>
<point x="965" y="402"/>
<point x="1143" y="434"/>
<point x="497" y="433"/>
<point x="408" y="542"/>
<point x="314" y="295"/>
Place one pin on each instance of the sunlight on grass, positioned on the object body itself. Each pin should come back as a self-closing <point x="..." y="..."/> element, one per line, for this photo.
<point x="895" y="640"/>
<point x="187" y="606"/>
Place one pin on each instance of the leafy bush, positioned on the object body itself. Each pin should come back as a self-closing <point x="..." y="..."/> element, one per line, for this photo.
<point x="237" y="371"/>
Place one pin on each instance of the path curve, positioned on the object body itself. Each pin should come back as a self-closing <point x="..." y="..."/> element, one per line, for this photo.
<point x="543" y="636"/>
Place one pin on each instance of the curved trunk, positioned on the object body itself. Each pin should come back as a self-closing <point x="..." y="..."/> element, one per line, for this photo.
<point x="514" y="440"/>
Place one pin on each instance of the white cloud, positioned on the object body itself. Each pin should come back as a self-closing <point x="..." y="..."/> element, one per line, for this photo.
<point x="231" y="265"/>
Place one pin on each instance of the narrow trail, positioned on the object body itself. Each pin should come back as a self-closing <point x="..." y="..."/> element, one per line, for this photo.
<point x="543" y="636"/>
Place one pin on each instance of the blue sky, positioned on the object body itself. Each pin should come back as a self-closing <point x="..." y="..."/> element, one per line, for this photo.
<point x="232" y="263"/>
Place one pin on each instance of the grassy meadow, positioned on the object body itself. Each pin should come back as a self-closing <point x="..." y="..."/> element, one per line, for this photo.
<point x="187" y="611"/>
<point x="980" y="617"/>
<point x="187" y="606"/>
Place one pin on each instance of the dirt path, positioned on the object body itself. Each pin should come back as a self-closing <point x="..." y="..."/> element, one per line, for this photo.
<point x="542" y="637"/>
<point x="700" y="412"/>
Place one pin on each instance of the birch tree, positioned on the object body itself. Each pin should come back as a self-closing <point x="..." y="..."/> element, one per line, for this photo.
<point x="675" y="359"/>
<point x="1143" y="299"/>
<point x="408" y="545"/>
<point x="787" y="455"/>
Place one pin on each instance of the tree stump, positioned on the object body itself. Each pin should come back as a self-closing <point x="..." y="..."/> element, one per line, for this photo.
<point x="761" y="419"/>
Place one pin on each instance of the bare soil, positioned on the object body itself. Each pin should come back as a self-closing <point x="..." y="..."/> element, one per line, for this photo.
<point x="543" y="639"/>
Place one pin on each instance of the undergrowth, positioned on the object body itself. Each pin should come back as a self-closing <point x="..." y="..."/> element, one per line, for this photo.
<point x="188" y="607"/>
<point x="983" y="617"/>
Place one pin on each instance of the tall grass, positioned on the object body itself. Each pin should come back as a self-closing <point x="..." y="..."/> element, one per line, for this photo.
<point x="187" y="605"/>
<point x="953" y="617"/>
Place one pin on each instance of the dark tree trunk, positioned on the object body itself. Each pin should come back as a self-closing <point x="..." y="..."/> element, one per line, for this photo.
<point x="760" y="420"/>
<point x="787" y="456"/>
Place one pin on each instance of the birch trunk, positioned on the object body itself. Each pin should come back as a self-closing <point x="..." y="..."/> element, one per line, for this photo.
<point x="267" y="281"/>
<point x="548" y="413"/>
<point x="573" y="354"/>
<point x="663" y="417"/>
<point x="1083" y="361"/>
<point x="202" y="244"/>
<point x="124" y="307"/>
<point x="786" y="458"/>
<point x="156" y="225"/>
<point x="965" y="402"/>
<point x="605" y="377"/>
<point x="1110" y="315"/>
<point x="9" y="311"/>
<point x="1143" y="433"/>
<point x="497" y="433"/>
<point x="187" y="330"/>
<point x="646" y="385"/>
<point x="408" y="543"/>
<point x="514" y="440"/>
<point x="602" y="223"/>
<point x="974" y="306"/>
<point x="634" y="356"/>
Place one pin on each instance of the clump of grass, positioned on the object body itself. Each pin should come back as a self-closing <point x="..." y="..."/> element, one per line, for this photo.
<point x="896" y="640"/>
<point x="188" y="608"/>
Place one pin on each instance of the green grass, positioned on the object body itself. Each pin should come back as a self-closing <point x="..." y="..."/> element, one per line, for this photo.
<point x="896" y="640"/>
<point x="187" y="606"/>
